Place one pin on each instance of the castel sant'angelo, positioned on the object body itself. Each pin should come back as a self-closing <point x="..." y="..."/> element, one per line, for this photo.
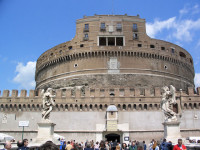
<point x="108" y="84"/>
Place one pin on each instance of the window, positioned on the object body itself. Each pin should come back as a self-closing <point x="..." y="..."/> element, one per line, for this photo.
<point x="163" y="48"/>
<point x="191" y="61"/>
<point x="152" y="46"/>
<point x="82" y="45"/>
<point x="119" y="27"/>
<point x="119" y="41"/>
<point x="102" y="41"/>
<point x="86" y="37"/>
<point x="87" y="26"/>
<point x="182" y="54"/>
<point x="86" y="29"/>
<point x="173" y="50"/>
<point x="112" y="92"/>
<point x="121" y="92"/>
<point x="70" y="47"/>
<point x="103" y="27"/>
<point x="135" y="36"/>
<point x="111" y="41"/>
<point x="75" y="65"/>
<point x="139" y="45"/>
<point x="135" y="29"/>
<point x="102" y="92"/>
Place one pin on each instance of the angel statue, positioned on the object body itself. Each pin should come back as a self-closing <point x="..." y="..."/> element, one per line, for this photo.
<point x="168" y="99"/>
<point x="48" y="103"/>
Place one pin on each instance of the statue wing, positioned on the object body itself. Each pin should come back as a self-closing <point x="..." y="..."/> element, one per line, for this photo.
<point x="173" y="92"/>
<point x="42" y="92"/>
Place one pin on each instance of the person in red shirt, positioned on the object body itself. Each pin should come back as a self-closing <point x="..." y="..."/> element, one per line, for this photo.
<point x="179" y="146"/>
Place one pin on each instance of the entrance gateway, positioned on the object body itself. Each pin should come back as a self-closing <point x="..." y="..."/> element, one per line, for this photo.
<point x="112" y="137"/>
<point x="114" y="131"/>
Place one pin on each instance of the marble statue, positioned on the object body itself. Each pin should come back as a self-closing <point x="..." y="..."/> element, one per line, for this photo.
<point x="48" y="103"/>
<point x="168" y="99"/>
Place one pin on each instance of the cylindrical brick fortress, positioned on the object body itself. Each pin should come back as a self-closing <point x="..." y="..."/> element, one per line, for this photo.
<point x="114" y="51"/>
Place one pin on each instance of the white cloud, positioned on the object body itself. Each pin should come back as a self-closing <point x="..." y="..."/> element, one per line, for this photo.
<point x="197" y="80"/>
<point x="183" y="11"/>
<point x="182" y="30"/>
<point x="189" y="9"/>
<point x="25" y="75"/>
<point x="195" y="9"/>
<point x="158" y="26"/>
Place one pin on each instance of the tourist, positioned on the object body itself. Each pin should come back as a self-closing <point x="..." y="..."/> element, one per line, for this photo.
<point x="179" y="146"/>
<point x="164" y="145"/>
<point x="118" y="146"/>
<point x="76" y="146"/>
<point x="124" y="146"/>
<point x="151" y="145"/>
<point x="107" y="146"/>
<point x="69" y="146"/>
<point x="102" y="145"/>
<point x="72" y="143"/>
<point x="170" y="145"/>
<point x="111" y="145"/>
<point x="129" y="144"/>
<point x="25" y="145"/>
<point x="140" y="147"/>
<point x="86" y="142"/>
<point x="80" y="147"/>
<point x="156" y="145"/>
<point x="19" y="145"/>
<point x="7" y="145"/>
<point x="49" y="145"/>
<point x="64" y="145"/>
<point x="92" y="144"/>
<point x="133" y="146"/>
<point x="114" y="145"/>
<point x="96" y="146"/>
<point x="145" y="146"/>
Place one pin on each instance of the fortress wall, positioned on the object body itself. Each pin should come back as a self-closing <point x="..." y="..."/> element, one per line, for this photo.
<point x="130" y="62"/>
<point x="79" y="109"/>
<point x="143" y="125"/>
<point x="136" y="55"/>
<point x="96" y="99"/>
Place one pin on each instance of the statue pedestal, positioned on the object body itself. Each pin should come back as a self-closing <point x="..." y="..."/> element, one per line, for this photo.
<point x="172" y="131"/>
<point x="45" y="133"/>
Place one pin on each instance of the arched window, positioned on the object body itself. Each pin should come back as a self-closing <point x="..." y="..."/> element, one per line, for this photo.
<point x="182" y="54"/>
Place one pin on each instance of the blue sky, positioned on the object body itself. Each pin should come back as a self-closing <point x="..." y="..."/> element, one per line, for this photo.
<point x="30" y="27"/>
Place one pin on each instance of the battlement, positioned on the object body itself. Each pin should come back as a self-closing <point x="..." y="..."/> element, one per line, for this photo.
<point x="95" y="99"/>
<point x="79" y="92"/>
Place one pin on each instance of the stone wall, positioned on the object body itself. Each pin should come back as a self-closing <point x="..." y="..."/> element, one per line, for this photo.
<point x="78" y="111"/>
<point x="143" y="125"/>
<point x="65" y="64"/>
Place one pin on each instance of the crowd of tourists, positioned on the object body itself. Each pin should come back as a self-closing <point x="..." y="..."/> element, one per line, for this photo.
<point x="103" y="145"/>
<point x="22" y="145"/>
<point x="109" y="145"/>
